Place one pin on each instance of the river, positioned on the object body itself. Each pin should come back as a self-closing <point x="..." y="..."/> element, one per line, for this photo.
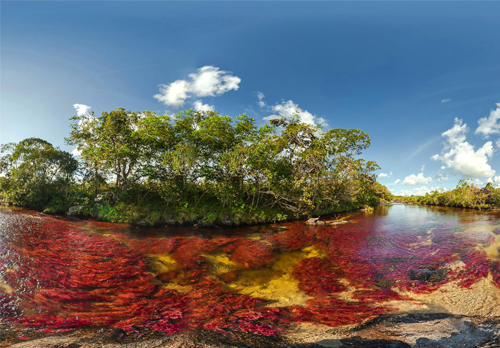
<point x="373" y="279"/>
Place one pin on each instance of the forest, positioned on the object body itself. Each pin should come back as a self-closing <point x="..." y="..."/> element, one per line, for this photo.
<point x="192" y="167"/>
<point x="465" y="195"/>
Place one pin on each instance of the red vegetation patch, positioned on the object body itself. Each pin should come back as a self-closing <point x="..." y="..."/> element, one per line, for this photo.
<point x="212" y="307"/>
<point x="252" y="253"/>
<point x="476" y="267"/>
<point x="188" y="254"/>
<point x="495" y="272"/>
<point x="155" y="246"/>
<point x="294" y="238"/>
<point x="318" y="277"/>
<point x="335" y="312"/>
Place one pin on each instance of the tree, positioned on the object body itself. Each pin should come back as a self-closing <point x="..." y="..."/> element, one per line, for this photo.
<point x="110" y="143"/>
<point x="35" y="173"/>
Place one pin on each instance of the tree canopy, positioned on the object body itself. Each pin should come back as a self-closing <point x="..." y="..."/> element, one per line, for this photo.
<point x="199" y="159"/>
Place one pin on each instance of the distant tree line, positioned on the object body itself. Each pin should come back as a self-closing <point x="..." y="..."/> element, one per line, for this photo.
<point x="194" y="166"/>
<point x="465" y="195"/>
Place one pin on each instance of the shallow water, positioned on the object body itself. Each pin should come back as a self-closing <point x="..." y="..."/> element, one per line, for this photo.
<point x="58" y="275"/>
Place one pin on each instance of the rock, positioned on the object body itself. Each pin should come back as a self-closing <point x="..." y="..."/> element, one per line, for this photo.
<point x="75" y="210"/>
<point x="204" y="224"/>
<point x="226" y="222"/>
<point x="337" y="222"/>
<point x="99" y="198"/>
<point x="367" y="343"/>
<point x="312" y="221"/>
<point x="170" y="222"/>
<point x="428" y="275"/>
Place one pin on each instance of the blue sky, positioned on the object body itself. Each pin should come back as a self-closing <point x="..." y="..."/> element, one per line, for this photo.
<point x="400" y="71"/>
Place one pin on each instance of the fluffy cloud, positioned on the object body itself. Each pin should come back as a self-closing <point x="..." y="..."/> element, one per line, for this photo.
<point x="261" y="101"/>
<point x="384" y="175"/>
<point x="290" y="109"/>
<point x="489" y="125"/>
<point x="397" y="181"/>
<point x="418" y="191"/>
<point x="460" y="155"/>
<point x="199" y="106"/>
<point x="441" y="177"/>
<point x="81" y="109"/>
<point x="207" y="81"/>
<point x="419" y="179"/>
<point x="174" y="94"/>
<point x="446" y="100"/>
<point x="210" y="81"/>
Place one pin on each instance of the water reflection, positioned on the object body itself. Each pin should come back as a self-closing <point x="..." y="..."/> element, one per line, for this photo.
<point x="57" y="274"/>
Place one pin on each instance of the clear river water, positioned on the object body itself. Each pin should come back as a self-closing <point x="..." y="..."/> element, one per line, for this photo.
<point x="59" y="275"/>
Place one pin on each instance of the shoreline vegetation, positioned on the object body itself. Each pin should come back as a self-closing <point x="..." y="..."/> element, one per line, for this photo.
<point x="465" y="195"/>
<point x="193" y="167"/>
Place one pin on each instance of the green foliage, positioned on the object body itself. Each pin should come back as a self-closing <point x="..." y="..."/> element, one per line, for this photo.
<point x="465" y="195"/>
<point x="36" y="175"/>
<point x="199" y="166"/>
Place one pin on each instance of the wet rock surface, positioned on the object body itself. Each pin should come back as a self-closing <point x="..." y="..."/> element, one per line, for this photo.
<point x="401" y="331"/>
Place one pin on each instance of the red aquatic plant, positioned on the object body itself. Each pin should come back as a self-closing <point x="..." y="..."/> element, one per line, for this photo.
<point x="476" y="267"/>
<point x="294" y="238"/>
<point x="66" y="274"/>
<point x="155" y="246"/>
<point x="213" y="307"/>
<point x="252" y="253"/>
<point x="318" y="277"/>
<point x="335" y="312"/>
<point x="495" y="272"/>
<point x="188" y="254"/>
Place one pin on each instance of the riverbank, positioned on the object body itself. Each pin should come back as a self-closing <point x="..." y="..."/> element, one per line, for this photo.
<point x="422" y="330"/>
<point x="198" y="216"/>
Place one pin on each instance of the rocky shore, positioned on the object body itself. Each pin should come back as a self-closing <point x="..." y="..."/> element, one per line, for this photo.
<point x="422" y="330"/>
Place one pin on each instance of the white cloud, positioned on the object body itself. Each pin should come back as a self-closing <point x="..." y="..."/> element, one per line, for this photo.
<point x="446" y="100"/>
<point x="384" y="175"/>
<point x="422" y="168"/>
<point x="199" y="106"/>
<point x="81" y="109"/>
<point x="210" y="81"/>
<point x="261" y="101"/>
<point x="441" y="177"/>
<point x="478" y="183"/>
<point x="289" y="109"/>
<point x="173" y="94"/>
<point x="489" y="125"/>
<point x="207" y="81"/>
<point x="419" y="179"/>
<point x="76" y="152"/>
<point x="460" y="155"/>
<point x="397" y="181"/>
<point x="419" y="191"/>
